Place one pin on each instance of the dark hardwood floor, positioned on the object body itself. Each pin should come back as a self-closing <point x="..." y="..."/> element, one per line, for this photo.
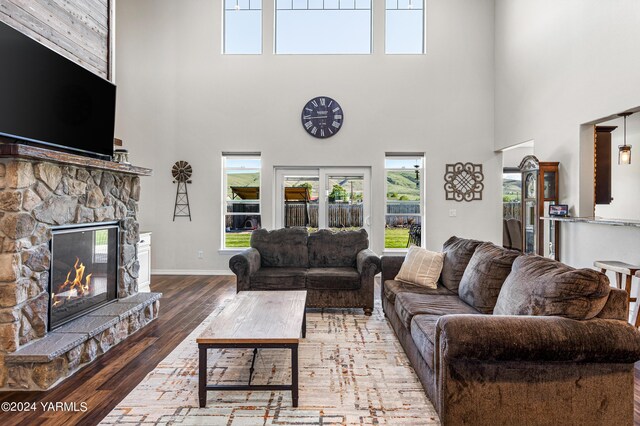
<point x="187" y="301"/>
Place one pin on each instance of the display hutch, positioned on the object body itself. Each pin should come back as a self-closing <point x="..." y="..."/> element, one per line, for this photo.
<point x="539" y="191"/>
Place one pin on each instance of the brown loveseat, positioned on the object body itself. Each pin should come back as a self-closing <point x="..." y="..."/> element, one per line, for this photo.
<point x="511" y="339"/>
<point x="336" y="269"/>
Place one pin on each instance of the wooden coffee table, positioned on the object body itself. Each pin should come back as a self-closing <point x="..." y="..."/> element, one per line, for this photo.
<point x="255" y="319"/>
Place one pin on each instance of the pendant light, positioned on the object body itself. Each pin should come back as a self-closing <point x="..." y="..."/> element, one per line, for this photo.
<point x="624" y="150"/>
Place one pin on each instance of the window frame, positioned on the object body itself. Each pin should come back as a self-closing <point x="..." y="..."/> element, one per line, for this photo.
<point x="371" y="10"/>
<point x="224" y="28"/>
<point x="422" y="180"/>
<point x="424" y="31"/>
<point x="225" y="202"/>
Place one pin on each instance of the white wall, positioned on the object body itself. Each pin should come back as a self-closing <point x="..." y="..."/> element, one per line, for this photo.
<point x="180" y="99"/>
<point x="513" y="157"/>
<point x="625" y="178"/>
<point x="560" y="64"/>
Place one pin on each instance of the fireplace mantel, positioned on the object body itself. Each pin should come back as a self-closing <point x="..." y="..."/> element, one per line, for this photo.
<point x="36" y="153"/>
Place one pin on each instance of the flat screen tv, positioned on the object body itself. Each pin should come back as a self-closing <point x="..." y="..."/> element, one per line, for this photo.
<point x="47" y="99"/>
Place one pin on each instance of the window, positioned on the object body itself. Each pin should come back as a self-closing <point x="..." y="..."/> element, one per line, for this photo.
<point x="404" y="27"/>
<point x="241" y="198"/>
<point x="511" y="193"/>
<point x="242" y="27"/>
<point x="404" y="202"/>
<point x="323" y="26"/>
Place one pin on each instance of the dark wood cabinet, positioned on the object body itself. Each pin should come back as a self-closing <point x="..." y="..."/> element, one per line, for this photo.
<point x="602" y="164"/>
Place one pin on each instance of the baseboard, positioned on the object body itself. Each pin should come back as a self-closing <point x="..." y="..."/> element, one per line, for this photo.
<point x="191" y="272"/>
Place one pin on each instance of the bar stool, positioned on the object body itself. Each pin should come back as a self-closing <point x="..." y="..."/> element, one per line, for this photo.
<point x="623" y="271"/>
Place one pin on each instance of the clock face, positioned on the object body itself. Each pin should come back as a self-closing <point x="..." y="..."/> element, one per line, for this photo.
<point x="530" y="186"/>
<point x="322" y="117"/>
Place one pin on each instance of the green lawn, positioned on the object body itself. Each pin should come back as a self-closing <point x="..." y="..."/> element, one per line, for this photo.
<point x="393" y="238"/>
<point x="237" y="239"/>
<point x="396" y="237"/>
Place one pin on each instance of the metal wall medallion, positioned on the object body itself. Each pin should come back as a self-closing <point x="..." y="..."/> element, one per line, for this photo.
<point x="463" y="182"/>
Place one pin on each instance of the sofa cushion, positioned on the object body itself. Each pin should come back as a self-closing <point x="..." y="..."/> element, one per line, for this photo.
<point x="482" y="280"/>
<point x="457" y="254"/>
<point x="279" y="279"/>
<point x="616" y="306"/>
<point x="423" y="333"/>
<point x="393" y="287"/>
<point x="541" y="286"/>
<point x="410" y="304"/>
<point x="285" y="247"/>
<point x="421" y="267"/>
<point x="336" y="249"/>
<point x="333" y="279"/>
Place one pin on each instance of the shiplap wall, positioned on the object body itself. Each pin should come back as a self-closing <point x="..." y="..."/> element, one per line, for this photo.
<point x="78" y="30"/>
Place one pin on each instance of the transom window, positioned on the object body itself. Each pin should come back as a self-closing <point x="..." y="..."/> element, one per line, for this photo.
<point x="404" y="27"/>
<point x="323" y="26"/>
<point x="241" y="198"/>
<point x="242" y="27"/>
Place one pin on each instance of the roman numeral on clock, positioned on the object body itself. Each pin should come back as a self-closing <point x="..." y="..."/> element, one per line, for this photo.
<point x="308" y="124"/>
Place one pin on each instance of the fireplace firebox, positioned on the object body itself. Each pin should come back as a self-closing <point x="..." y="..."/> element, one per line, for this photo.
<point x="84" y="270"/>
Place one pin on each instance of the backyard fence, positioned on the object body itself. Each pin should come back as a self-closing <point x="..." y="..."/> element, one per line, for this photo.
<point x="512" y="210"/>
<point x="342" y="215"/>
<point x="402" y="214"/>
<point x="339" y="215"/>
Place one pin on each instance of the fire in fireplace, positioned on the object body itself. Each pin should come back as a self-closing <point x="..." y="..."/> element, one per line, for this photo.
<point x="84" y="267"/>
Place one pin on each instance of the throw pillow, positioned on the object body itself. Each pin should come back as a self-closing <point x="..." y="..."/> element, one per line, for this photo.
<point x="483" y="278"/>
<point x="421" y="267"/>
<point x="541" y="286"/>
<point x="457" y="254"/>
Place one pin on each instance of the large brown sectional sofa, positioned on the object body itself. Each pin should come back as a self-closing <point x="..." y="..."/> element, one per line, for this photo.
<point x="512" y="339"/>
<point x="336" y="268"/>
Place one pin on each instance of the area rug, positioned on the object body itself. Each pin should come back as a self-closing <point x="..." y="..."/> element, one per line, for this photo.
<point x="352" y="369"/>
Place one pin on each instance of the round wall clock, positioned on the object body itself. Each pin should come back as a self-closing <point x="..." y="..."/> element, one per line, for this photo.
<point x="322" y="117"/>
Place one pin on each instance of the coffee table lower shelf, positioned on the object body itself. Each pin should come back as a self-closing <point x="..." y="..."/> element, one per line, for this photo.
<point x="203" y="387"/>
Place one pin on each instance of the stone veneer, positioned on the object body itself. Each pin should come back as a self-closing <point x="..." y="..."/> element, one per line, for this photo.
<point x="34" y="196"/>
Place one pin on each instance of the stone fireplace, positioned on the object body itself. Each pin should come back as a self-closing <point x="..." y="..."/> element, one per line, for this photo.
<point x="68" y="234"/>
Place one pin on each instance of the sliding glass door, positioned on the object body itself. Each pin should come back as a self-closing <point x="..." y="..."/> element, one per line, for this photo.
<point x="325" y="197"/>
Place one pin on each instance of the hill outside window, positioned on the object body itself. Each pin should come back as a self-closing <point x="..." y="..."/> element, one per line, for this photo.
<point x="404" y="200"/>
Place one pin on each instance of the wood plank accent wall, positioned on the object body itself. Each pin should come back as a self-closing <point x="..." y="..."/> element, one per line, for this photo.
<point x="78" y="30"/>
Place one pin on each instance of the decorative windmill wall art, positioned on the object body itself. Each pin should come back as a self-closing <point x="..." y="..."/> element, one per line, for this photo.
<point x="463" y="182"/>
<point x="181" y="172"/>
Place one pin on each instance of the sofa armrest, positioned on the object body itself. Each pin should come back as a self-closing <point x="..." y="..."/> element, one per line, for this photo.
<point x="245" y="264"/>
<point x="367" y="262"/>
<point x="530" y="338"/>
<point x="390" y="266"/>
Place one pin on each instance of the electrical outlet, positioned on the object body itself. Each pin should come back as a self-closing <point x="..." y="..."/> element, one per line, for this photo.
<point x="453" y="213"/>
<point x="200" y="254"/>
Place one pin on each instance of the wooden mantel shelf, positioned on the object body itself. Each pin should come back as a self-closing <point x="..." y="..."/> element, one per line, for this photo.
<point x="30" y="152"/>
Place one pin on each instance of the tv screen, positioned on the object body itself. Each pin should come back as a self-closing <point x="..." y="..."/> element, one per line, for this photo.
<point x="50" y="100"/>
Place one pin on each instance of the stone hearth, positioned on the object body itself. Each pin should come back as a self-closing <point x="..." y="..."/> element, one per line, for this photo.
<point x="40" y="188"/>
